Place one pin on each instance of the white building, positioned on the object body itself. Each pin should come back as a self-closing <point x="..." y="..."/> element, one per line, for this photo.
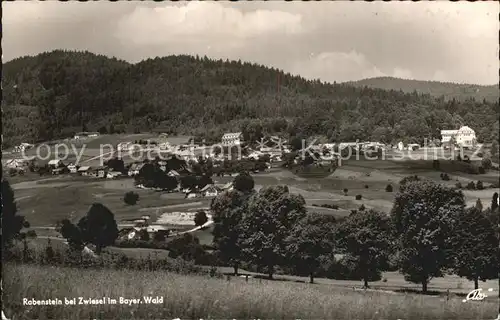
<point x="232" y="139"/>
<point x="464" y="137"/>
<point x="124" y="146"/>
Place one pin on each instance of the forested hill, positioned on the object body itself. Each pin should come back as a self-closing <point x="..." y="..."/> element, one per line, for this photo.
<point x="434" y="88"/>
<point x="52" y="94"/>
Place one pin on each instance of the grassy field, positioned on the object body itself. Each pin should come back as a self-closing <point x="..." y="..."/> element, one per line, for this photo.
<point x="45" y="202"/>
<point x="200" y="297"/>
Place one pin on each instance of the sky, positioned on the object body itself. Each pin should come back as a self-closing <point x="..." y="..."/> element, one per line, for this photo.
<point x="331" y="41"/>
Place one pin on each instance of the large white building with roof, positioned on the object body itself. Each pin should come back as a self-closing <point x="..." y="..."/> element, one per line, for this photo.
<point x="232" y="139"/>
<point x="464" y="137"/>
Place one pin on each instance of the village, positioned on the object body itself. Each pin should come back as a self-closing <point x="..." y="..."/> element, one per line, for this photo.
<point x="193" y="172"/>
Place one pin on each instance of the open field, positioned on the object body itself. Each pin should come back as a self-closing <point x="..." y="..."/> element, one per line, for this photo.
<point x="199" y="297"/>
<point x="48" y="201"/>
<point x="44" y="201"/>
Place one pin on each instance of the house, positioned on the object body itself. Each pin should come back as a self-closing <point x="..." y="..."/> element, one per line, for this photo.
<point x="209" y="190"/>
<point x="100" y="172"/>
<point x="135" y="169"/>
<point x="16" y="164"/>
<point x="60" y="170"/>
<point x="413" y="146"/>
<point x="232" y="139"/>
<point x="401" y="146"/>
<point x="113" y="174"/>
<point x="227" y="186"/>
<point x="56" y="163"/>
<point x="23" y="146"/>
<point x="463" y="137"/>
<point x="72" y="168"/>
<point x="193" y="193"/>
<point x="84" y="171"/>
<point x="124" y="146"/>
<point x="173" y="173"/>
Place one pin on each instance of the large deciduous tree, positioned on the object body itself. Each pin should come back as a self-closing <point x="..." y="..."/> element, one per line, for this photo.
<point x="311" y="239"/>
<point x="98" y="227"/>
<point x="227" y="210"/>
<point x="267" y="221"/>
<point x="423" y="215"/>
<point x="12" y="223"/>
<point x="475" y="246"/>
<point x="366" y="237"/>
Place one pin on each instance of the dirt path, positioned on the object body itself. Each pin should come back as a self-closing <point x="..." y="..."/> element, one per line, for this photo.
<point x="181" y="205"/>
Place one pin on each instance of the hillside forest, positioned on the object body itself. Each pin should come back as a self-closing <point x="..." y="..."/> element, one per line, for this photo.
<point x="55" y="94"/>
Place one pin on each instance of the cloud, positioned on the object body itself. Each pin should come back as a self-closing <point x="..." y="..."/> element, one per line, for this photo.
<point x="333" y="41"/>
<point x="203" y="21"/>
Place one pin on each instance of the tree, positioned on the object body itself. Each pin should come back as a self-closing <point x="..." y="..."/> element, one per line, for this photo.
<point x="116" y="164"/>
<point x="494" y="202"/>
<point x="479" y="185"/>
<point x="12" y="223"/>
<point x="311" y="239"/>
<point x="188" y="182"/>
<point x="243" y="182"/>
<point x="267" y="220"/>
<point x="423" y="214"/>
<point x="388" y="188"/>
<point x="227" y="210"/>
<point x="98" y="227"/>
<point x="475" y="247"/>
<point x="131" y="198"/>
<point x="200" y="218"/>
<point x="72" y="234"/>
<point x="143" y="235"/>
<point x="479" y="205"/>
<point x="366" y="237"/>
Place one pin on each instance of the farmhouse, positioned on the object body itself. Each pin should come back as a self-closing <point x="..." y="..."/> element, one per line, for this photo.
<point x="124" y="146"/>
<point x="56" y="163"/>
<point x="23" y="146"/>
<point x="463" y="137"/>
<point x="60" y="170"/>
<point x="72" y="168"/>
<point x="134" y="169"/>
<point x="16" y="164"/>
<point x="209" y="190"/>
<point x="173" y="173"/>
<point x="232" y="139"/>
<point x="84" y="171"/>
<point x="113" y="174"/>
<point x="193" y="193"/>
<point x="100" y="172"/>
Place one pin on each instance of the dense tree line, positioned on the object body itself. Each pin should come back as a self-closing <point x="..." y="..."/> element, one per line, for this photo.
<point x="428" y="234"/>
<point x="55" y="94"/>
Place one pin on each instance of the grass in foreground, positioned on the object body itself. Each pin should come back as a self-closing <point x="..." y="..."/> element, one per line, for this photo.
<point x="198" y="297"/>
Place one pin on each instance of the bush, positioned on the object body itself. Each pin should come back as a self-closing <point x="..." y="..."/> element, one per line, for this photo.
<point x="346" y="191"/>
<point x="458" y="185"/>
<point x="445" y="177"/>
<point x="388" y="188"/>
<point x="358" y="197"/>
<point x="471" y="186"/>
<point x="31" y="234"/>
<point x="479" y="185"/>
<point x="131" y="198"/>
<point x="366" y="186"/>
<point x="200" y="218"/>
<point x="481" y="170"/>
<point x="362" y="207"/>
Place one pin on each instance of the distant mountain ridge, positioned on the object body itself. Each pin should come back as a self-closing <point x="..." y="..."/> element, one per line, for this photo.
<point x="435" y="88"/>
<point x="54" y="94"/>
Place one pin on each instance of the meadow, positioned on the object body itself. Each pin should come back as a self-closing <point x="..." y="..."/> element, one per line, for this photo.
<point x="202" y="297"/>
